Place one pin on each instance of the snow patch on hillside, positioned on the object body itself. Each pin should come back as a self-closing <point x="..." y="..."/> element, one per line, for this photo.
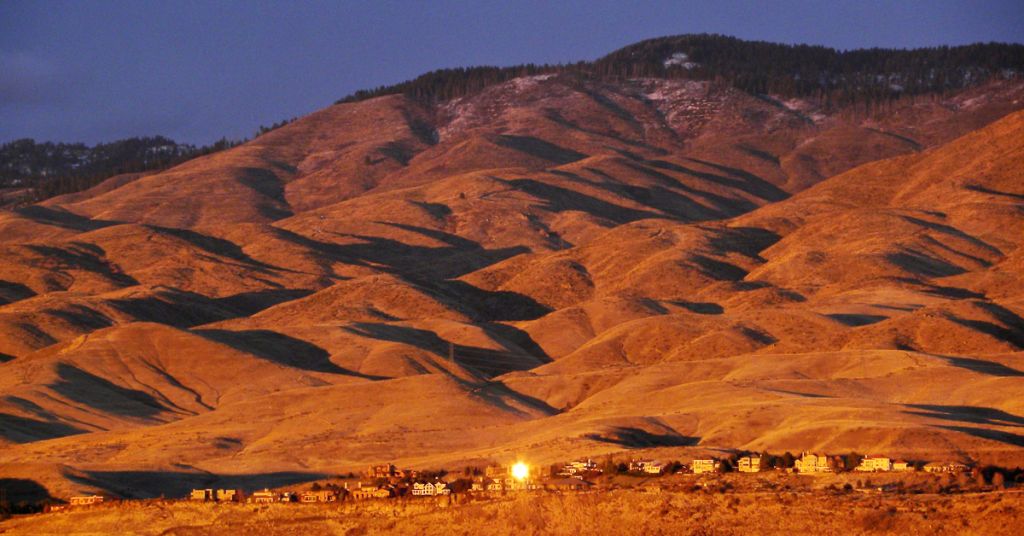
<point x="681" y="59"/>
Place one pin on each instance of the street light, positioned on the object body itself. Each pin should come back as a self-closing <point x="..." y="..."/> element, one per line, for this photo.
<point x="520" y="471"/>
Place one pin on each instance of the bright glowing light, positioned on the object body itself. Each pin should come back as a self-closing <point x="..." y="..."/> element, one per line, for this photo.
<point x="520" y="471"/>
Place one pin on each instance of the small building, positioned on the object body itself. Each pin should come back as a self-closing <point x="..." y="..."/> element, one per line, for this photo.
<point x="386" y="470"/>
<point x="263" y="497"/>
<point x="201" y="495"/>
<point x="705" y="465"/>
<point x="654" y="468"/>
<point x="229" y="495"/>
<point x="902" y="466"/>
<point x="651" y="467"/>
<point x="318" y="496"/>
<point x="946" y="467"/>
<point x="750" y="464"/>
<point x="810" y="463"/>
<point x="423" y="488"/>
<point x="371" y="492"/>
<point x="578" y="468"/>
<point x="85" y="500"/>
<point x="496" y="471"/>
<point x="874" y="464"/>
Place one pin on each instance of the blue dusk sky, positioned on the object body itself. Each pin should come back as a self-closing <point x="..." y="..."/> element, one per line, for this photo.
<point x="198" y="70"/>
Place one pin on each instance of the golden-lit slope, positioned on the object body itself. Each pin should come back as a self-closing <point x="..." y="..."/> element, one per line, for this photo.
<point x="550" y="267"/>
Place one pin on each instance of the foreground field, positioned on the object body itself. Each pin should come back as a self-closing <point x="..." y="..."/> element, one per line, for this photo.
<point x="621" y="511"/>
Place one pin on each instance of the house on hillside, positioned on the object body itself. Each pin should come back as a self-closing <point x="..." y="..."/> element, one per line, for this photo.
<point x="85" y="500"/>
<point x="201" y="495"/>
<point x="263" y="497"/>
<point x="873" y="464"/>
<point x="496" y="471"/>
<point x="900" y="466"/>
<point x="651" y="467"/>
<point x="578" y="468"/>
<point x="229" y="495"/>
<point x="750" y="464"/>
<point x="318" y="496"/>
<point x="950" y="467"/>
<point x="423" y="488"/>
<point x="386" y="470"/>
<point x="371" y="492"/>
<point x="705" y="465"/>
<point x="810" y="463"/>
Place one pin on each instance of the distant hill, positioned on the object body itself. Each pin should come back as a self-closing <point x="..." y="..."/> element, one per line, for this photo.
<point x="832" y="76"/>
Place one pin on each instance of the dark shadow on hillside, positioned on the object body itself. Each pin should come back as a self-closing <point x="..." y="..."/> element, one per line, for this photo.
<point x="271" y="187"/>
<point x="954" y="232"/>
<point x="5" y="358"/>
<point x="1016" y="440"/>
<point x="403" y="259"/>
<point x="86" y="257"/>
<point x="1010" y="328"/>
<point x="856" y="320"/>
<point x="758" y="153"/>
<point x="661" y="198"/>
<point x="800" y="394"/>
<point x="557" y="117"/>
<point x="438" y="211"/>
<point x="173" y="484"/>
<point x="399" y="151"/>
<point x="487" y="361"/>
<point x="61" y="218"/>
<point x="724" y="207"/>
<point x="174" y="307"/>
<point x="490" y="306"/>
<point x="81" y="317"/>
<point x="278" y="348"/>
<point x="703" y="308"/>
<point x="103" y="395"/>
<point x="214" y="245"/>
<point x="558" y="199"/>
<point x="25" y="430"/>
<point x="758" y="335"/>
<point x="749" y="241"/>
<point x="905" y="139"/>
<point x="955" y="293"/>
<point x="718" y="270"/>
<point x="19" y="490"/>
<point x="636" y="438"/>
<point x="517" y="337"/>
<point x="497" y="392"/>
<point x="968" y="414"/>
<point x="250" y="303"/>
<point x="984" y="190"/>
<point x="419" y="338"/>
<point x="12" y="292"/>
<point x="539" y="148"/>
<point x="922" y="264"/>
<point x="735" y="178"/>
<point x="981" y="366"/>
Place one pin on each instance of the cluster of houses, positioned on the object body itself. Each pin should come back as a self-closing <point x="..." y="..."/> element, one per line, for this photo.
<point x="389" y="481"/>
<point x="810" y="463"/>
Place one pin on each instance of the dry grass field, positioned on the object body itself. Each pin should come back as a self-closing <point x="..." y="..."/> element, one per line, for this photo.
<point x="627" y="511"/>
